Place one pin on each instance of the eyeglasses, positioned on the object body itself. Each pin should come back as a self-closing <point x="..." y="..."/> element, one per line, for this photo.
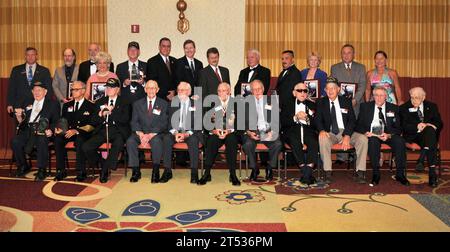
<point x="76" y="89"/>
<point x="302" y="91"/>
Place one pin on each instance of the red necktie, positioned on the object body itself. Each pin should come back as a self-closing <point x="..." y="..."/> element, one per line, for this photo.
<point x="218" y="75"/>
<point x="150" y="109"/>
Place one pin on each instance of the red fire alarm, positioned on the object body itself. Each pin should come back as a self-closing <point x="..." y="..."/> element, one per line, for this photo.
<point x="135" y="28"/>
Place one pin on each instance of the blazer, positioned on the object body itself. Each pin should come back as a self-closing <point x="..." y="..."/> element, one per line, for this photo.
<point x="123" y="72"/>
<point x="323" y="115"/>
<point x="260" y="73"/>
<point x="286" y="84"/>
<point x="19" y="91"/>
<point x="82" y="117"/>
<point x="184" y="73"/>
<point x="60" y="85"/>
<point x="157" y="71"/>
<point x="50" y="110"/>
<point x="119" y="117"/>
<point x="209" y="81"/>
<point x="287" y="118"/>
<point x="319" y="75"/>
<point x="410" y="119"/>
<point x="391" y="116"/>
<point x="157" y="123"/>
<point x="84" y="71"/>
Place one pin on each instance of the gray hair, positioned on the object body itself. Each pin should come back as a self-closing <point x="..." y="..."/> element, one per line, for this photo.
<point x="255" y="51"/>
<point x="103" y="56"/>
<point x="417" y="90"/>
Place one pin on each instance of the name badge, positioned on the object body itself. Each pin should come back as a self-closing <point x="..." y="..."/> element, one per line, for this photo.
<point x="218" y="108"/>
<point x="156" y="111"/>
<point x="344" y="111"/>
<point x="191" y="108"/>
<point x="268" y="107"/>
<point x="412" y="109"/>
<point x="70" y="109"/>
<point x="390" y="114"/>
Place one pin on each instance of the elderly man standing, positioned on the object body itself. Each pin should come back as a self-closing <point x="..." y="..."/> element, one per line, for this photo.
<point x="65" y="75"/>
<point x="149" y="123"/>
<point x="254" y="71"/>
<point x="182" y="129"/>
<point x="335" y="121"/>
<point x="380" y="122"/>
<point x="422" y="124"/>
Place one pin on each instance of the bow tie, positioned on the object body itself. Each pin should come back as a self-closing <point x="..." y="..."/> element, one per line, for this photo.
<point x="91" y="63"/>
<point x="300" y="102"/>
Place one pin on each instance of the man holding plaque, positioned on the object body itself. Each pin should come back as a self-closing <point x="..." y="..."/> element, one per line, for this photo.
<point x="380" y="122"/>
<point x="74" y="126"/>
<point x="254" y="71"/>
<point x="64" y="76"/>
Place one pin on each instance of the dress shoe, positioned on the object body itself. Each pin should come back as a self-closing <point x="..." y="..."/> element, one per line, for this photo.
<point x="155" y="174"/>
<point x="402" y="180"/>
<point x="420" y="167"/>
<point x="135" y="176"/>
<point x="167" y="175"/>
<point x="433" y="183"/>
<point x="80" y="177"/>
<point x="234" y="180"/>
<point x="104" y="177"/>
<point x="194" y="178"/>
<point x="269" y="174"/>
<point x="60" y="175"/>
<point x="360" y="177"/>
<point x="22" y="171"/>
<point x="253" y="175"/>
<point x="204" y="179"/>
<point x="40" y="175"/>
<point x="308" y="180"/>
<point x="375" y="179"/>
<point x="327" y="177"/>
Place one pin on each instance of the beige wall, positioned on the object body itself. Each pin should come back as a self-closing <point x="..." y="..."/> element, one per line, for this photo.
<point x="215" y="23"/>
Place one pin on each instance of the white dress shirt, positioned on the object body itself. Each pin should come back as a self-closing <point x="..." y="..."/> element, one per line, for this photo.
<point x="37" y="107"/>
<point x="93" y="68"/>
<point x="33" y="68"/>
<point x="376" y="120"/>
<point x="252" y="71"/>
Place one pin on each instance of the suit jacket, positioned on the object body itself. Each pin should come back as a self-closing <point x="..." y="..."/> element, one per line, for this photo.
<point x="119" y="117"/>
<point x="140" y="120"/>
<point x="323" y="115"/>
<point x="19" y="91"/>
<point x="189" y="122"/>
<point x="391" y="116"/>
<point x="82" y="117"/>
<point x="287" y="118"/>
<point x="260" y="73"/>
<point x="286" y="84"/>
<point x="184" y="73"/>
<point x="209" y="81"/>
<point x="123" y="72"/>
<point x="50" y="110"/>
<point x="157" y="71"/>
<point x="85" y="70"/>
<point x="60" y="85"/>
<point x="410" y="119"/>
<point x="221" y="119"/>
<point x="356" y="75"/>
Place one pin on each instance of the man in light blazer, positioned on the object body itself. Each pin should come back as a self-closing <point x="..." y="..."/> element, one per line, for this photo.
<point x="213" y="74"/>
<point x="149" y="124"/>
<point x="64" y="75"/>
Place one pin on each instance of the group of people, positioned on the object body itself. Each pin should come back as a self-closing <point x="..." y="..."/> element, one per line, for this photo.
<point x="156" y="105"/>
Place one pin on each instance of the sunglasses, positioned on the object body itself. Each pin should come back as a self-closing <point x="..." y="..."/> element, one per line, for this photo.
<point x="302" y="91"/>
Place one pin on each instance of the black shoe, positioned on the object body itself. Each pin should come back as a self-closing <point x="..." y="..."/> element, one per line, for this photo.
<point x="167" y="175"/>
<point x="420" y="167"/>
<point x="360" y="177"/>
<point x="155" y="175"/>
<point x="269" y="174"/>
<point x="253" y="175"/>
<point x="402" y="180"/>
<point x="135" y="176"/>
<point x="375" y="179"/>
<point x="60" y="175"/>
<point x="22" y="171"/>
<point x="234" y="180"/>
<point x="103" y="177"/>
<point x="40" y="175"/>
<point x="194" y="178"/>
<point x="204" y="179"/>
<point x="327" y="177"/>
<point x="80" y="177"/>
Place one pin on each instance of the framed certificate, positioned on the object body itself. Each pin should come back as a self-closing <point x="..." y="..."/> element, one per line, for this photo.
<point x="313" y="87"/>
<point x="245" y="89"/>
<point x="348" y="90"/>
<point x="97" y="90"/>
<point x="69" y="90"/>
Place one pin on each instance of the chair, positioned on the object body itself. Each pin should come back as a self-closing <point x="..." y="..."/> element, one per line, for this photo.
<point x="51" y="151"/>
<point x="261" y="148"/>
<point x="414" y="147"/>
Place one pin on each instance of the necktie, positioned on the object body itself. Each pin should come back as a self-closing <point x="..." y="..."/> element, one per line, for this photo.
<point x="181" y="116"/>
<point x="218" y="75"/>
<point x="347" y="67"/>
<point x="30" y="75"/>
<point x="76" y="106"/>
<point x="334" y="124"/>
<point x="134" y="72"/>
<point x="150" y="109"/>
<point x="381" y="115"/>
<point x="420" y="114"/>
<point x="168" y="65"/>
<point x="285" y="72"/>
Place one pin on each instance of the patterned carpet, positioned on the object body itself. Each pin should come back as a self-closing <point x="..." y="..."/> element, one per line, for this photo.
<point x="178" y="206"/>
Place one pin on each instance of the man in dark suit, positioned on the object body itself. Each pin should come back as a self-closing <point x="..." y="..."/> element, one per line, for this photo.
<point x="222" y="130"/>
<point x="78" y="114"/>
<point x="132" y="74"/>
<point x="335" y="120"/>
<point x="149" y="125"/>
<point x="188" y="68"/>
<point x="254" y="71"/>
<point x="299" y="133"/>
<point x="36" y="117"/>
<point x="183" y="115"/>
<point x="113" y="120"/>
<point x="422" y="124"/>
<point x="288" y="78"/>
<point x="22" y="78"/>
<point x="262" y="126"/>
<point x="161" y="68"/>
<point x="380" y="122"/>
<point x="213" y="74"/>
<point x="88" y="67"/>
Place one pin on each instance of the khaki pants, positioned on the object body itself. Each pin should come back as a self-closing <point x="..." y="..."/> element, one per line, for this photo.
<point x="359" y="141"/>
